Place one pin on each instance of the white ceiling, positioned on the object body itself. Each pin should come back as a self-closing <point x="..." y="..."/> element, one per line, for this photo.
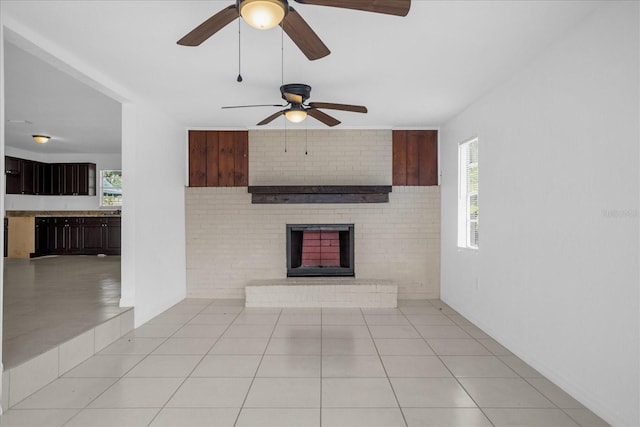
<point x="416" y="71"/>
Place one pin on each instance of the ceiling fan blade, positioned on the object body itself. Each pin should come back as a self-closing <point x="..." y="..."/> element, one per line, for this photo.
<point x="323" y="117"/>
<point x="209" y="27"/>
<point x="293" y="98"/>
<point x="256" y="105"/>
<point x="303" y="36"/>
<point x="271" y="118"/>
<point x="343" y="107"/>
<point x="389" y="7"/>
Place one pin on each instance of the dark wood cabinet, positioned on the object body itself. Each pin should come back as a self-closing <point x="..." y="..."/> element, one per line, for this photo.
<point x="43" y="235"/>
<point x="13" y="177"/>
<point x="113" y="233"/>
<point x="6" y="236"/>
<point x="415" y="157"/>
<point x="31" y="177"/>
<point x="66" y="236"/>
<point x="77" y="235"/>
<point x="218" y="158"/>
<point x="73" y="179"/>
<point x="24" y="176"/>
<point x="93" y="234"/>
<point x="42" y="179"/>
<point x="28" y="177"/>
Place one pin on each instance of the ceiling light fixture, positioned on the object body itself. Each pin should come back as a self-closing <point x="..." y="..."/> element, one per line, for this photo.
<point x="295" y="114"/>
<point x="41" y="139"/>
<point x="263" y="14"/>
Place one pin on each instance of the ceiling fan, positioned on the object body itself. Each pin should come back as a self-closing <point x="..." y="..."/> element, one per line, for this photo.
<point x="296" y="94"/>
<point x="265" y="14"/>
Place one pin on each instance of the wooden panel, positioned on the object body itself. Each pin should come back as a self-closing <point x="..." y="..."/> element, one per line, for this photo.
<point x="413" y="157"/>
<point x="22" y="237"/>
<point x="399" y="157"/>
<point x="226" y="159"/>
<point x="241" y="163"/>
<point x="197" y="159"/>
<point x="212" y="158"/>
<point x="429" y="158"/>
<point x="218" y="158"/>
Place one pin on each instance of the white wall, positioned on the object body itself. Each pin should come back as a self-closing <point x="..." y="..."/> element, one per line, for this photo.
<point x="33" y="202"/>
<point x="556" y="276"/>
<point x="4" y="386"/>
<point x="153" y="221"/>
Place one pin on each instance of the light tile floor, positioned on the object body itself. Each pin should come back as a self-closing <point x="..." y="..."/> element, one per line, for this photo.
<point x="50" y="300"/>
<point x="216" y="363"/>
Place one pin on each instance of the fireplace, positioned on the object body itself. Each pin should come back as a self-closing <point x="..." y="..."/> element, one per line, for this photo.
<point x="315" y="250"/>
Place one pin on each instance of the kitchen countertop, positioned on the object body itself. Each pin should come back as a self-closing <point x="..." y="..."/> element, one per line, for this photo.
<point x="104" y="212"/>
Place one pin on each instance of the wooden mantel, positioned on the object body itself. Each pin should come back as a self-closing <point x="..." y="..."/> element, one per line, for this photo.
<point x="319" y="193"/>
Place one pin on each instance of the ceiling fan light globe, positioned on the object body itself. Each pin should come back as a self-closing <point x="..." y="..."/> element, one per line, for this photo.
<point x="295" y="115"/>
<point x="262" y="14"/>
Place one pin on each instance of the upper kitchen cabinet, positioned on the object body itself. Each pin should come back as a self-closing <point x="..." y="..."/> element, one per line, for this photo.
<point x="26" y="176"/>
<point x="68" y="179"/>
<point x="13" y="175"/>
<point x="73" y="179"/>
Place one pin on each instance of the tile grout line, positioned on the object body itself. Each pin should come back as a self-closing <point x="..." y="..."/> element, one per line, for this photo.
<point x="404" y="418"/>
<point x="196" y="365"/>
<point x="445" y="365"/>
<point x="201" y="359"/>
<point x="255" y="374"/>
<point x="448" y="369"/>
<point x="321" y="356"/>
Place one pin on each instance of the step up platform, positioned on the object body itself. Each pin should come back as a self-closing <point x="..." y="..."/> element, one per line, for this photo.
<point x="322" y="292"/>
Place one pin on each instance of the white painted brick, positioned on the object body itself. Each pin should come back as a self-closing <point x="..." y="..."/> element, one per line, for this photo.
<point x="231" y="242"/>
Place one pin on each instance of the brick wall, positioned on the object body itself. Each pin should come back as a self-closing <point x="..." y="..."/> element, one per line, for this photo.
<point x="334" y="157"/>
<point x="231" y="241"/>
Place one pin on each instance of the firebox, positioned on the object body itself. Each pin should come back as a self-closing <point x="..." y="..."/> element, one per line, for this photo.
<point x="320" y="250"/>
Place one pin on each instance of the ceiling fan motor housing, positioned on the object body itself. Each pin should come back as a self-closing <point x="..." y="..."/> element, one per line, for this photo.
<point x="299" y="89"/>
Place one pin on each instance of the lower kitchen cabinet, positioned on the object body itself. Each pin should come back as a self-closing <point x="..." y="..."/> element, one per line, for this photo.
<point x="66" y="236"/>
<point x="77" y="236"/>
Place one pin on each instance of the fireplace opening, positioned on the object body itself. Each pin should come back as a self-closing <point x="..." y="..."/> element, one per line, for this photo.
<point x="320" y="250"/>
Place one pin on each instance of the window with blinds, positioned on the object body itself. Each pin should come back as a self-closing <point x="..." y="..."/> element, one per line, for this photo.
<point x="468" y="194"/>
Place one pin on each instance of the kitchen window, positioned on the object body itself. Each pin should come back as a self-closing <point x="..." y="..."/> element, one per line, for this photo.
<point x="468" y="194"/>
<point x="110" y="188"/>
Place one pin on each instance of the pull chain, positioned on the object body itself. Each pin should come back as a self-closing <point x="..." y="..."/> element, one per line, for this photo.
<point x="282" y="80"/>
<point x="239" y="79"/>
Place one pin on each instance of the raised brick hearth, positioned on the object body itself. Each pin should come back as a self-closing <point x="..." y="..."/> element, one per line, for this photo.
<point x="322" y="292"/>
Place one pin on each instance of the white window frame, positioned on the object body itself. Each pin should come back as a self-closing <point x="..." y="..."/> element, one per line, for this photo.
<point x="102" y="203"/>
<point x="466" y="237"/>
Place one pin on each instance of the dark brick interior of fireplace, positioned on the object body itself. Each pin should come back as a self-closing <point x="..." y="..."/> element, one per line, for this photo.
<point x="320" y="250"/>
